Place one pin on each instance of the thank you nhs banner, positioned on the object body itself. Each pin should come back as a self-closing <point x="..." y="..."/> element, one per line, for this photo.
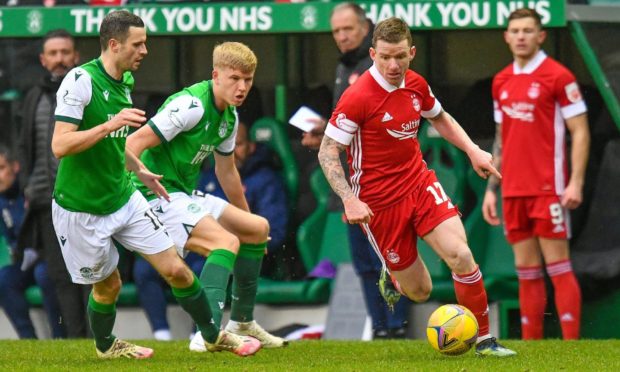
<point x="268" y="17"/>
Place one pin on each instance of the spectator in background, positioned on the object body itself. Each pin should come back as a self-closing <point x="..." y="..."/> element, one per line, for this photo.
<point x="39" y="166"/>
<point x="152" y="288"/>
<point x="25" y="270"/>
<point x="352" y="32"/>
<point x="536" y="99"/>
<point x="263" y="186"/>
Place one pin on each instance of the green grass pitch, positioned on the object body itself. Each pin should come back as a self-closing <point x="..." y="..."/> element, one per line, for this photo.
<point x="411" y="355"/>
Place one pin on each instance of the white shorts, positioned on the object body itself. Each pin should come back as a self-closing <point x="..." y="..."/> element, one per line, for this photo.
<point x="86" y="239"/>
<point x="183" y="212"/>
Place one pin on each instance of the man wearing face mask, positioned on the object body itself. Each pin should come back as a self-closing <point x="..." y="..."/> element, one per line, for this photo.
<point x="37" y="238"/>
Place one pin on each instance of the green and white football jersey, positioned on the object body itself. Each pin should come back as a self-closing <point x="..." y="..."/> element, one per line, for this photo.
<point x="94" y="181"/>
<point x="190" y="128"/>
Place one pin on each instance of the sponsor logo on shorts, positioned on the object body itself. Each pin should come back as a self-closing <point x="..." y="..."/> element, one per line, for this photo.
<point x="63" y="240"/>
<point x="393" y="257"/>
<point x="87" y="273"/>
<point x="193" y="208"/>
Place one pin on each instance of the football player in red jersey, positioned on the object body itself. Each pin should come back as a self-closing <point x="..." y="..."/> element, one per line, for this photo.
<point x="393" y="195"/>
<point x="535" y="99"/>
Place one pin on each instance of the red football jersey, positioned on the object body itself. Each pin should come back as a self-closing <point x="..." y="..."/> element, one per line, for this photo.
<point x="379" y="122"/>
<point x="531" y="104"/>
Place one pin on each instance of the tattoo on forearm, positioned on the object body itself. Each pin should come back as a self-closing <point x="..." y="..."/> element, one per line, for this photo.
<point x="332" y="168"/>
<point x="493" y="183"/>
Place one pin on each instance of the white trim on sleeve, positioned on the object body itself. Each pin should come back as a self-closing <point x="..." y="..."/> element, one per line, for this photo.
<point x="338" y="134"/>
<point x="573" y="110"/>
<point x="436" y="110"/>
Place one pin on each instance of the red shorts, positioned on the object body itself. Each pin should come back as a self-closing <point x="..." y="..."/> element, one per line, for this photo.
<point x="543" y="216"/>
<point x="394" y="230"/>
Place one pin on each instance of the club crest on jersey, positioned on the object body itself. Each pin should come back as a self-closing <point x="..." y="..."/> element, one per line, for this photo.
<point x="572" y="92"/>
<point x="393" y="257"/>
<point x="503" y="95"/>
<point x="223" y="129"/>
<point x="416" y="103"/>
<point x="534" y="90"/>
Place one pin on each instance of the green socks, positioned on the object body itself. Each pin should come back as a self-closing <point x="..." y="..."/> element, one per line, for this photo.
<point x="101" y="318"/>
<point x="214" y="278"/>
<point x="193" y="300"/>
<point x="245" y="281"/>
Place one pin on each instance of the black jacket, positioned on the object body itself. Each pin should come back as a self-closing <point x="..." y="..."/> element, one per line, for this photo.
<point x="352" y="63"/>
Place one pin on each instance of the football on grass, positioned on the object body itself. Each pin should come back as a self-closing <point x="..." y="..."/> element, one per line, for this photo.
<point x="452" y="329"/>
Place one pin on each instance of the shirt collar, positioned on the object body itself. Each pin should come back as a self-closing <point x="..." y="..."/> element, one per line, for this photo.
<point x="532" y="65"/>
<point x="382" y="82"/>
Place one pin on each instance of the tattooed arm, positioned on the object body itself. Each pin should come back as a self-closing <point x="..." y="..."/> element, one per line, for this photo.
<point x="489" y="204"/>
<point x="355" y="210"/>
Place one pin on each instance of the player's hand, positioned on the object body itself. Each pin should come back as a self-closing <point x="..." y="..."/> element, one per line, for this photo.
<point x="313" y="138"/>
<point x="572" y="196"/>
<point x="482" y="162"/>
<point x="128" y="116"/>
<point x="357" y="211"/>
<point x="151" y="180"/>
<point x="489" y="208"/>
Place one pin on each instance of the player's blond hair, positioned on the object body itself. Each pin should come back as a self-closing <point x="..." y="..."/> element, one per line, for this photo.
<point x="235" y="55"/>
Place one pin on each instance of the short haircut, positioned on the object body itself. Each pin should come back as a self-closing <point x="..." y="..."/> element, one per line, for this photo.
<point x="235" y="55"/>
<point x="393" y="31"/>
<point x="57" y="34"/>
<point x="359" y="12"/>
<point x="526" y="13"/>
<point x="7" y="153"/>
<point x="116" y="25"/>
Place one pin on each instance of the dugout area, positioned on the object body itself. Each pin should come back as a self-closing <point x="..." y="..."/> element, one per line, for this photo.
<point x="297" y="68"/>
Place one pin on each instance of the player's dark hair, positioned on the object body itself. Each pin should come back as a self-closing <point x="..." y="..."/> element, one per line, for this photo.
<point x="116" y="26"/>
<point x="6" y="153"/>
<point x="57" y="34"/>
<point x="526" y="13"/>
<point x="359" y="12"/>
<point x="393" y="31"/>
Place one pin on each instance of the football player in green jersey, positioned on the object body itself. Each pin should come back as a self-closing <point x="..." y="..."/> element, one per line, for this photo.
<point x="190" y="125"/>
<point x="95" y="200"/>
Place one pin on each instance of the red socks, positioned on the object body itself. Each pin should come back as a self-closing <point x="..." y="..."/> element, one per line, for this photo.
<point x="532" y="301"/>
<point x="567" y="297"/>
<point x="470" y="293"/>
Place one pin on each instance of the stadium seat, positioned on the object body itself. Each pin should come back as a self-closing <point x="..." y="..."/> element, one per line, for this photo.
<point x="5" y="252"/>
<point x="323" y="235"/>
<point x="271" y="132"/>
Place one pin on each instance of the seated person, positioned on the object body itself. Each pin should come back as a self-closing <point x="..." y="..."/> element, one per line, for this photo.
<point x="27" y="268"/>
<point x="263" y="186"/>
<point x="151" y="288"/>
